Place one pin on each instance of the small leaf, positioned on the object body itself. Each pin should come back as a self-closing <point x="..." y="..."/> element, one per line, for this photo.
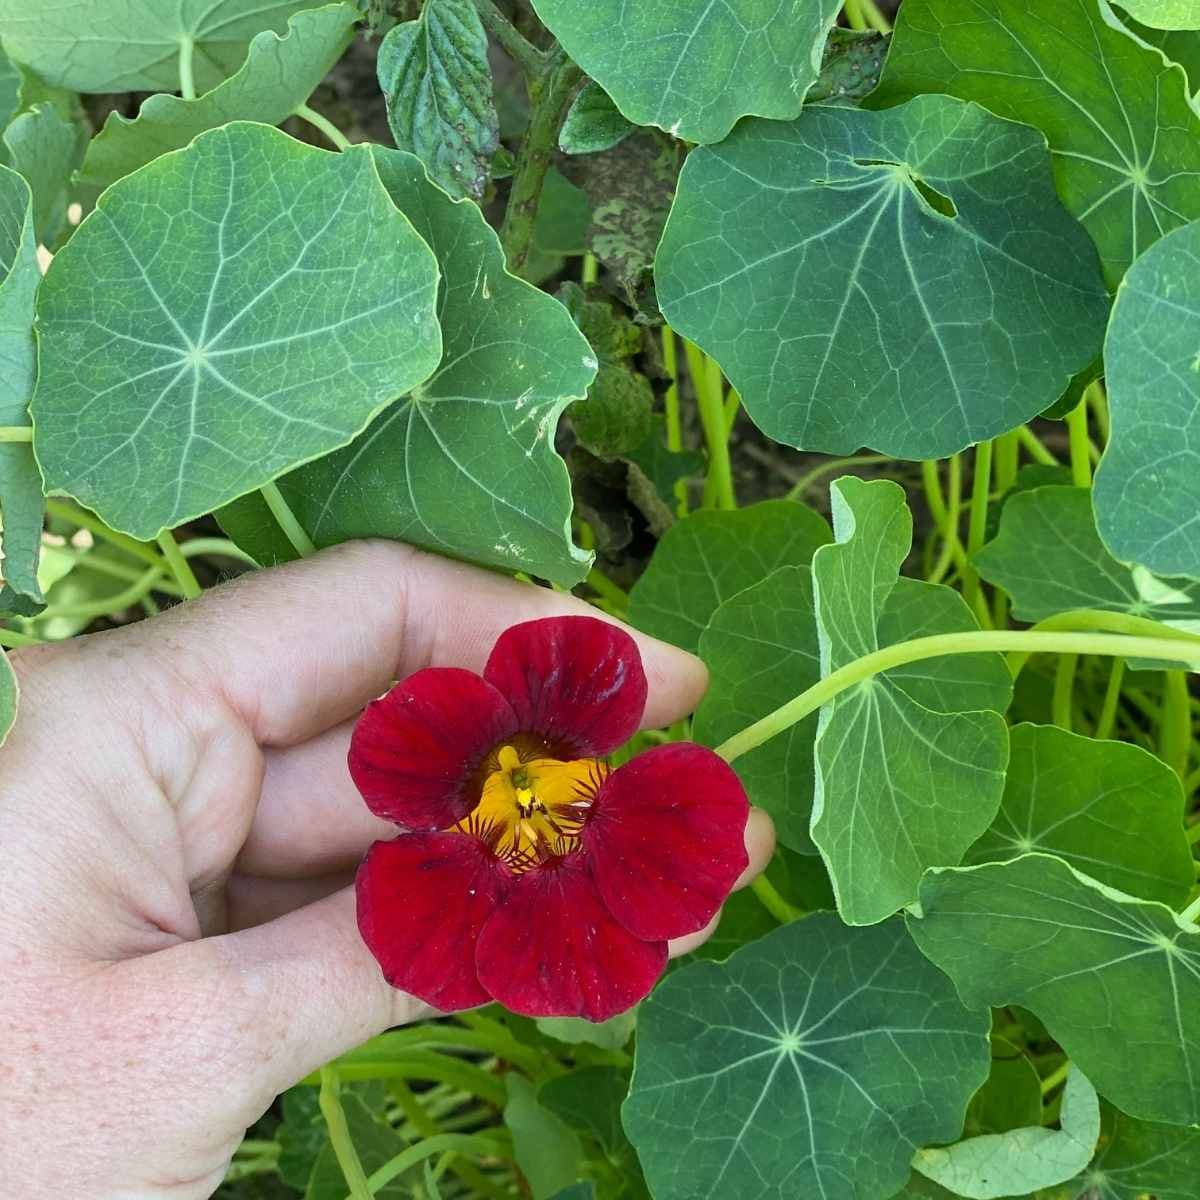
<point x="126" y="46"/>
<point x="810" y="259"/>
<point x="44" y="147"/>
<point x="813" y="1063"/>
<point x="224" y="314"/>
<point x="851" y="66"/>
<point x="593" y="123"/>
<point x="280" y="72"/>
<point x="1139" y="1159"/>
<point x="589" y="1099"/>
<point x="1128" y="171"/>
<point x="1164" y="14"/>
<point x="1109" y="809"/>
<point x="437" y="81"/>
<point x="692" y="67"/>
<point x="1021" y="1160"/>
<point x="910" y="768"/>
<point x="1147" y="490"/>
<point x="465" y="464"/>
<point x="546" y="1149"/>
<point x="710" y="556"/>
<point x="301" y="1136"/>
<point x="9" y="693"/>
<point x="608" y="1035"/>
<point x="1115" y="979"/>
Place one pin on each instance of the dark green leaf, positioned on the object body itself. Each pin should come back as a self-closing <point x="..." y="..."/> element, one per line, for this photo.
<point x="850" y="70"/>
<point x="301" y="1137"/>
<point x="593" y="123"/>
<point x="437" y="81"/>
<point x="1012" y="1095"/>
<point x="812" y="1063"/>
<point x="377" y="1143"/>
<point x="589" y="1099"/>
<point x="547" y="1150"/>
<point x="1138" y="1159"/>
<point x="43" y="146"/>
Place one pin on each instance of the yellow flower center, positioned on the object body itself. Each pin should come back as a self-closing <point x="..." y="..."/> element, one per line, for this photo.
<point x="532" y="807"/>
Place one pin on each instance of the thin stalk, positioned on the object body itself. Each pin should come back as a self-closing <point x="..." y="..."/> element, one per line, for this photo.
<point x="711" y="405"/>
<point x="670" y="348"/>
<point x="551" y="89"/>
<point x="865" y="14"/>
<point x="459" y="1143"/>
<point x="12" y="639"/>
<point x="590" y="271"/>
<point x="800" y="488"/>
<point x="514" y="43"/>
<point x="1175" y="729"/>
<point x="132" y="595"/>
<point x="953" y="509"/>
<point x="1055" y="1078"/>
<point x="322" y="124"/>
<point x="93" y="524"/>
<point x="339" y="1136"/>
<point x="1098" y="399"/>
<point x="1035" y="448"/>
<point x="936" y="499"/>
<point x="974" y="642"/>
<point x="1064" y="689"/>
<point x="1112" y="695"/>
<point x="1077" y="428"/>
<point x="773" y="902"/>
<point x="93" y="562"/>
<point x="187" y="78"/>
<point x="219" y="547"/>
<point x="16" y="433"/>
<point x="287" y="521"/>
<point x="604" y="587"/>
<point x="733" y="405"/>
<point x="180" y="568"/>
<point x="977" y="527"/>
<point x="1007" y="461"/>
<point x="1191" y="785"/>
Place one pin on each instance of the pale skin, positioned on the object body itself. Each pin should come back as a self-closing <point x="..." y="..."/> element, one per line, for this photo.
<point x="177" y="932"/>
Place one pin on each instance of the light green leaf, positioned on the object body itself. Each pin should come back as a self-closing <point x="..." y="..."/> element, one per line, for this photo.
<point x="812" y="1063"/>
<point x="1021" y="1160"/>
<point x="589" y="1099"/>
<point x="1116" y="980"/>
<point x="1048" y="556"/>
<point x="1127" y="169"/>
<point x="608" y="1035"/>
<point x="593" y="123"/>
<point x="1164" y="14"/>
<point x="465" y="464"/>
<point x="9" y="693"/>
<point x="710" y="556"/>
<point x="227" y="312"/>
<point x="1110" y="809"/>
<point x="1147" y="488"/>
<point x="906" y="280"/>
<point x="43" y="146"/>
<point x="693" y="67"/>
<point x="134" y="45"/>
<point x="21" y="502"/>
<point x="909" y="770"/>
<point x="280" y="73"/>
<point x="437" y="82"/>
<point x="1139" y="1159"/>
<point x="10" y="89"/>
<point x="546" y="1149"/>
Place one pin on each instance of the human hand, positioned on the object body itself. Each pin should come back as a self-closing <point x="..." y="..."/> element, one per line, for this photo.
<point x="178" y="940"/>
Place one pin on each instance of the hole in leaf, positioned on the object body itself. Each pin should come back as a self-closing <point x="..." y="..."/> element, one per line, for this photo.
<point x="936" y="200"/>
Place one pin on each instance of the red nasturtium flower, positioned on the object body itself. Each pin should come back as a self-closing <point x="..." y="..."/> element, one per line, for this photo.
<point x="529" y="871"/>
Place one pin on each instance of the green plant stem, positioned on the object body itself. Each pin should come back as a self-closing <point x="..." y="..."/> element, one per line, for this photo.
<point x="733" y="405"/>
<point x="604" y="587"/>
<point x="1098" y="399"/>
<point x="977" y="527"/>
<point x="90" y="609"/>
<point x="221" y="547"/>
<point x="1191" y="785"/>
<point x="670" y="350"/>
<point x="339" y="1136"/>
<point x="16" y="433"/>
<point x="1077" y="428"/>
<point x="1035" y="448"/>
<point x="1112" y="695"/>
<point x="179" y="565"/>
<point x="258" y="1148"/>
<point x="769" y="897"/>
<point x="711" y="406"/>
<point x="187" y="78"/>
<point x="459" y="1143"/>
<point x="1064" y="689"/>
<point x="865" y="14"/>
<point x="514" y="43"/>
<point x="93" y="562"/>
<point x="12" y="639"/>
<point x="551" y="89"/>
<point x="426" y="1064"/>
<point x="800" y="488"/>
<point x="93" y="524"/>
<point x="1175" y="728"/>
<point x="324" y="125"/>
<point x="1055" y="1078"/>
<point x="974" y="642"/>
<point x="953" y="510"/>
<point x="1006" y="462"/>
<point x="287" y="521"/>
<point x="936" y="499"/>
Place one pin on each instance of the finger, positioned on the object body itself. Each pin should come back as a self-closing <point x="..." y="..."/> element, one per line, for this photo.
<point x="296" y="649"/>
<point x="252" y="900"/>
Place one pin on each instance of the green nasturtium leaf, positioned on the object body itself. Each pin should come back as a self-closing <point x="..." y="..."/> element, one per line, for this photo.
<point x="43" y="146"/>
<point x="9" y="692"/>
<point x="1116" y="980"/>
<point x="812" y="1063"/>
<point x="464" y="464"/>
<point x="1110" y="809"/>
<point x="227" y="312"/>
<point x="1164" y="14"/>
<point x="547" y="1150"/>
<point x="1012" y="1095"/>
<point x="437" y="82"/>
<point x="280" y="73"/>
<point x="134" y="45"/>
<point x="910" y="769"/>
<point x="850" y="70"/>
<point x="1147" y="487"/>
<point x="1048" y="556"/>
<point x="10" y="89"/>
<point x="693" y="67"/>
<point x="1178" y="46"/>
<point x="593" y="123"/>
<point x="21" y="504"/>
<point x="376" y="1143"/>
<point x="1020" y="1160"/>
<point x="1138" y="1159"/>
<point x="608" y="1035"/>
<point x="1127" y="169"/>
<point x="906" y="280"/>
<point x="710" y="556"/>
<point x="589" y="1100"/>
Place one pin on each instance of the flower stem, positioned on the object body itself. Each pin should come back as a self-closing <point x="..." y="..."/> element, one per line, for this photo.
<point x="323" y="124"/>
<point x="187" y="79"/>
<point x="16" y="433"/>
<point x="180" y="567"/>
<point x="935" y="646"/>
<point x="339" y="1135"/>
<point x="1077" y="428"/>
<point x="287" y="520"/>
<point x="773" y="902"/>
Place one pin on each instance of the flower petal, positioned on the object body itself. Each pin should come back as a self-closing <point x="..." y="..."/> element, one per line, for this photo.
<point x="553" y="950"/>
<point x="666" y="839"/>
<point x="416" y="752"/>
<point x="422" y="900"/>
<point x="577" y="681"/>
